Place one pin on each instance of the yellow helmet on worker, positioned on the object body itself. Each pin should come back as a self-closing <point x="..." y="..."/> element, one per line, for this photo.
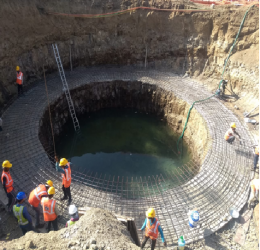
<point x="63" y="162"/>
<point x="150" y="213"/>
<point x="49" y="183"/>
<point x="6" y="164"/>
<point x="51" y="191"/>
<point x="17" y="68"/>
<point x="233" y="125"/>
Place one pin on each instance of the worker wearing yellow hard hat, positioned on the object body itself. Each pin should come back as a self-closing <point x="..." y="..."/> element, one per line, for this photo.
<point x="19" y="80"/>
<point x="50" y="210"/>
<point x="63" y="166"/>
<point x="152" y="229"/>
<point x="7" y="182"/>
<point x="35" y="198"/>
<point x="230" y="134"/>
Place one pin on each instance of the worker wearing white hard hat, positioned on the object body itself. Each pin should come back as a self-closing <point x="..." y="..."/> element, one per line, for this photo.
<point x="73" y="212"/>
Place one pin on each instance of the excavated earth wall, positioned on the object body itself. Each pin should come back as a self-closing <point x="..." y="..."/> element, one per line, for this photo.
<point x="196" y="43"/>
<point x="122" y="94"/>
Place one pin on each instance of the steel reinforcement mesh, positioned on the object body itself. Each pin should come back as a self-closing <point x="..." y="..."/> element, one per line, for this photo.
<point x="222" y="182"/>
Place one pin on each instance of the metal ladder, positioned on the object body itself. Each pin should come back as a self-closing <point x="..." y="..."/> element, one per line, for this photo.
<point x="66" y="88"/>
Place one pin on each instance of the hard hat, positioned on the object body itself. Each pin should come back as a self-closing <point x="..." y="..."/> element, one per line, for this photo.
<point x="150" y="213"/>
<point x="233" y="125"/>
<point x="51" y="190"/>
<point x="73" y="209"/>
<point x="6" y="164"/>
<point x="63" y="161"/>
<point x="21" y="196"/>
<point x="17" y="68"/>
<point x="49" y="183"/>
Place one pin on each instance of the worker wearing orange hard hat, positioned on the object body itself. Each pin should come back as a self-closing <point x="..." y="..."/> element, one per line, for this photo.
<point x="152" y="229"/>
<point x="19" y="80"/>
<point x="7" y="182"/>
<point x="63" y="166"/>
<point x="35" y="199"/>
<point x="230" y="134"/>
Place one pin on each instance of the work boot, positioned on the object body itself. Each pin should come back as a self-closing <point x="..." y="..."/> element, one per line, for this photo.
<point x="64" y="198"/>
<point x="39" y="226"/>
<point x="69" y="201"/>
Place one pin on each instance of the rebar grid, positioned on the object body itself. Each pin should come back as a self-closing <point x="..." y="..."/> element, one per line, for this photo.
<point x="221" y="183"/>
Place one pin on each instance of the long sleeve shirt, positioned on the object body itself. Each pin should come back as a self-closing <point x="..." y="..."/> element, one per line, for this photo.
<point x="4" y="183"/>
<point x="26" y="215"/>
<point x="159" y="228"/>
<point x="59" y="169"/>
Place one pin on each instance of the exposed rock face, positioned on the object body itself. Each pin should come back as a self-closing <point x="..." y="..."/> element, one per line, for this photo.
<point x="122" y="94"/>
<point x="190" y="43"/>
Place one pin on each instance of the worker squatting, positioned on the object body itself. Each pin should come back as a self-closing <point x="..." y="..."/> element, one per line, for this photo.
<point x="43" y="194"/>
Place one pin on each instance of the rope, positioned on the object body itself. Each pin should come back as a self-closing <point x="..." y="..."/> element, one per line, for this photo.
<point x="232" y="47"/>
<point x="47" y="95"/>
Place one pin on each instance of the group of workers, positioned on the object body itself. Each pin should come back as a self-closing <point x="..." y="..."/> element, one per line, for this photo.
<point x="42" y="194"/>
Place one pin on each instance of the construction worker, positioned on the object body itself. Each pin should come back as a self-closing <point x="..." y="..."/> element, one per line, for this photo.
<point x="254" y="190"/>
<point x="256" y="157"/>
<point x="50" y="210"/>
<point x="73" y="212"/>
<point x="19" y="80"/>
<point x="152" y="228"/>
<point x="35" y="198"/>
<point x="229" y="135"/>
<point x="64" y="168"/>
<point x="7" y="182"/>
<point x="21" y="213"/>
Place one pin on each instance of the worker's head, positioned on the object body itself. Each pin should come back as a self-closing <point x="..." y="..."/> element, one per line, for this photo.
<point x="48" y="184"/>
<point x="20" y="197"/>
<point x="73" y="211"/>
<point x="51" y="192"/>
<point x="17" y="68"/>
<point x="6" y="165"/>
<point x="150" y="213"/>
<point x="63" y="162"/>
<point x="233" y="126"/>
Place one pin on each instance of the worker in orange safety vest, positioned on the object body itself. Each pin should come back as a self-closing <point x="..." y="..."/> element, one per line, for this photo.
<point x="19" y="80"/>
<point x="50" y="210"/>
<point x="35" y="199"/>
<point x="152" y="228"/>
<point x="7" y="182"/>
<point x="64" y="168"/>
<point x="230" y="134"/>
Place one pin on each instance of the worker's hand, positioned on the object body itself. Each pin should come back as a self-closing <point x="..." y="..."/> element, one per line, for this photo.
<point x="56" y="158"/>
<point x="165" y="244"/>
<point x="140" y="229"/>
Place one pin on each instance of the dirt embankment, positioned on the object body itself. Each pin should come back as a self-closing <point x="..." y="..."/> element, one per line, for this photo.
<point x="96" y="230"/>
<point x="191" y="43"/>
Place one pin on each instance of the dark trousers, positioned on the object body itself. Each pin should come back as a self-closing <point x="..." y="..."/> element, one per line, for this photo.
<point x="54" y="225"/>
<point x="26" y="228"/>
<point x="145" y="240"/>
<point x="37" y="215"/>
<point x="256" y="158"/>
<point x="66" y="192"/>
<point x="20" y="89"/>
<point x="11" y="200"/>
<point x="231" y="139"/>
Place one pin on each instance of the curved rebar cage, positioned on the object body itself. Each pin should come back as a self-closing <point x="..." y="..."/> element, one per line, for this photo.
<point x="221" y="183"/>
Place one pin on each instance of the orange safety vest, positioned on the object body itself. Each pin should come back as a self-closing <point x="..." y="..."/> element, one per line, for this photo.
<point x="48" y="206"/>
<point x="257" y="150"/>
<point x="9" y="181"/>
<point x="19" y="79"/>
<point x="36" y="195"/>
<point x="227" y="135"/>
<point x="152" y="231"/>
<point x="66" y="180"/>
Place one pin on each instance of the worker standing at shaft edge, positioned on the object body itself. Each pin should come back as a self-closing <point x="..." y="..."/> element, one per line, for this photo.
<point x="7" y="182"/>
<point x="152" y="228"/>
<point x="21" y="213"/>
<point x="256" y="157"/>
<point x="254" y="190"/>
<point x="19" y="80"/>
<point x="35" y="199"/>
<point x="230" y="134"/>
<point x="64" y="168"/>
<point x="73" y="212"/>
<point x="50" y="210"/>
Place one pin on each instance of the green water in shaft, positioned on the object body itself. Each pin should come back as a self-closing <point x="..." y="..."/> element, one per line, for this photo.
<point x="123" y="142"/>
